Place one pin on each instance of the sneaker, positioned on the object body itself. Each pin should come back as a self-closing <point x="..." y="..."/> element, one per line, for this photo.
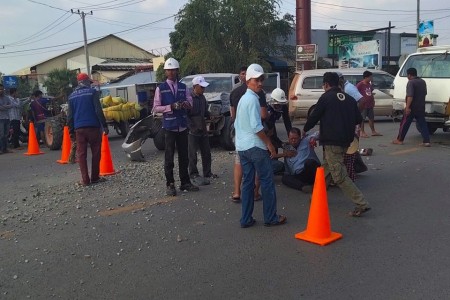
<point x="170" y="190"/>
<point x="358" y="211"/>
<point x="189" y="187"/>
<point x="201" y="181"/>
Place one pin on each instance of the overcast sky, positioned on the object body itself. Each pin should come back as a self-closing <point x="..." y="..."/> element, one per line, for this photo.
<point x="32" y="31"/>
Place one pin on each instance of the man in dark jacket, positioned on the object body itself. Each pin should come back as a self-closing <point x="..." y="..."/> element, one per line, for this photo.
<point x="85" y="118"/>
<point x="338" y="115"/>
<point x="198" y="138"/>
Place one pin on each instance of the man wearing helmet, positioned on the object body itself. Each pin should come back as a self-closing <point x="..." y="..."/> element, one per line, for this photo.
<point x="173" y="100"/>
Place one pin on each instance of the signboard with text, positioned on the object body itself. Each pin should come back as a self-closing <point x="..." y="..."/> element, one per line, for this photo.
<point x="10" y="81"/>
<point x="306" y="52"/>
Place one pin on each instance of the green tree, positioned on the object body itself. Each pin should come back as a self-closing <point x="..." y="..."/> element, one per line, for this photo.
<point x="222" y="35"/>
<point x="59" y="83"/>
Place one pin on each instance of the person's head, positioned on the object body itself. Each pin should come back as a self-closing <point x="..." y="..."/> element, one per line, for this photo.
<point x="199" y="84"/>
<point x="255" y="77"/>
<point x="12" y="92"/>
<point x="277" y="99"/>
<point x="242" y="72"/>
<point x="411" y="73"/>
<point x="37" y="94"/>
<point x="294" y="137"/>
<point x="330" y="80"/>
<point x="2" y="90"/>
<point x="83" y="79"/>
<point x="171" y="67"/>
<point x="367" y="76"/>
<point x="341" y="80"/>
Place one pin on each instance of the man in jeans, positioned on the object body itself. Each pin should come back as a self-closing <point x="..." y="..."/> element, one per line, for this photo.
<point x="338" y="114"/>
<point x="252" y="145"/>
<point x="5" y="106"/>
<point x="173" y="100"/>
<point x="85" y="118"/>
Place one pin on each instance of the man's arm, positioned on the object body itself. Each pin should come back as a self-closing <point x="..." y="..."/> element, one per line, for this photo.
<point x="157" y="107"/>
<point x="315" y="116"/>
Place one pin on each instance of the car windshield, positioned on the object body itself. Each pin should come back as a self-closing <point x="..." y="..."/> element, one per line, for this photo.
<point x="216" y="84"/>
<point x="429" y="65"/>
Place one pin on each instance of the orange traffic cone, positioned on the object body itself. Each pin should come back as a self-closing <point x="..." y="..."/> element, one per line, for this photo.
<point x="106" y="164"/>
<point x="33" y="145"/>
<point x="65" y="153"/>
<point x="318" y="229"/>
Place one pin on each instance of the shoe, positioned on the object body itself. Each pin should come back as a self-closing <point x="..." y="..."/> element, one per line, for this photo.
<point x="425" y="144"/>
<point x="252" y="222"/>
<point x="81" y="184"/>
<point x="189" y="187"/>
<point x="358" y="211"/>
<point x="200" y="181"/>
<point x="236" y="199"/>
<point x="170" y="190"/>
<point x="397" y="142"/>
<point x="212" y="176"/>
<point x="376" y="134"/>
<point x="281" y="220"/>
<point x="100" y="179"/>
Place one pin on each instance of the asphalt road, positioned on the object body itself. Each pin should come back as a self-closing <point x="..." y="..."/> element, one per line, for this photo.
<point x="124" y="239"/>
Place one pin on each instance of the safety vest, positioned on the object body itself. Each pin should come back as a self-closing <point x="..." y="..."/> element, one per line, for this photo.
<point x="177" y="118"/>
<point x="84" y="114"/>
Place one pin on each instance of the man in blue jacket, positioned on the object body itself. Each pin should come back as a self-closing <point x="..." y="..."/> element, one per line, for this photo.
<point x="173" y="100"/>
<point x="85" y="118"/>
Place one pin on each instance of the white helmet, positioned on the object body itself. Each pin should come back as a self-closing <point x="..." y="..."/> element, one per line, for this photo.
<point x="277" y="99"/>
<point x="171" y="64"/>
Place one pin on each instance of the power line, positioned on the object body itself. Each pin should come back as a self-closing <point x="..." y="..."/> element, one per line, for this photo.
<point x="33" y="1"/>
<point x="378" y="9"/>
<point x="98" y="37"/>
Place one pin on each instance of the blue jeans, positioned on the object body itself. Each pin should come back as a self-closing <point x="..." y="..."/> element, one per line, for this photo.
<point x="257" y="160"/>
<point x="4" y="129"/>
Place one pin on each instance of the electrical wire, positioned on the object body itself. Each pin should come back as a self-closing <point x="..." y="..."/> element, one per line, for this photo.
<point x="37" y="2"/>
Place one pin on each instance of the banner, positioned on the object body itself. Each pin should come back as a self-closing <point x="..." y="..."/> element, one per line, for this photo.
<point x="360" y="55"/>
<point x="426" y="30"/>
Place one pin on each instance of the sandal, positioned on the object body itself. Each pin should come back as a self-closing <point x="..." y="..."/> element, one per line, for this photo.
<point x="101" y="179"/>
<point x="358" y="211"/>
<point x="281" y="220"/>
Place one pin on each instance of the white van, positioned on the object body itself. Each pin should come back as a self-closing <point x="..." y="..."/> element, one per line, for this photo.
<point x="433" y="66"/>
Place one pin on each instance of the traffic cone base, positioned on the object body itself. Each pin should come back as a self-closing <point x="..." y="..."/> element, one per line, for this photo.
<point x="65" y="152"/>
<point x="106" y="164"/>
<point x="321" y="241"/>
<point x="318" y="230"/>
<point x="33" y="145"/>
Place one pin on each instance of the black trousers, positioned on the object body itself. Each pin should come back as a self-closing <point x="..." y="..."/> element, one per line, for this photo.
<point x="180" y="141"/>
<point x="15" y="124"/>
<point x="305" y="177"/>
<point x="201" y="143"/>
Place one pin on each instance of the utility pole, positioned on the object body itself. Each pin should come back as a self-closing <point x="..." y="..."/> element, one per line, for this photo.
<point x="418" y="22"/>
<point x="86" y="52"/>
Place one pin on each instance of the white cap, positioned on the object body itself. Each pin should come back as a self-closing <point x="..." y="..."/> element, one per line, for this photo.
<point x="171" y="63"/>
<point x="199" y="80"/>
<point x="279" y="96"/>
<point x="254" y="71"/>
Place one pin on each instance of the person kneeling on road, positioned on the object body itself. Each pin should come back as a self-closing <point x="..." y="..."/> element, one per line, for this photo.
<point x="300" y="161"/>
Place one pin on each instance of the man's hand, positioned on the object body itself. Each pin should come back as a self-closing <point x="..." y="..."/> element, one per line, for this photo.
<point x="312" y="142"/>
<point x="186" y="105"/>
<point x="407" y="111"/>
<point x="175" y="106"/>
<point x="271" y="149"/>
<point x="289" y="153"/>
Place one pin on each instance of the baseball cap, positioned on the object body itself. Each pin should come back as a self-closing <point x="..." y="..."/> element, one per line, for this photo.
<point x="254" y="71"/>
<point x="199" y="80"/>
<point x="83" y="77"/>
<point x="340" y="74"/>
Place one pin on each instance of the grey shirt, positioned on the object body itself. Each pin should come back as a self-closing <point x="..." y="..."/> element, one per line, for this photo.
<point x="5" y="102"/>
